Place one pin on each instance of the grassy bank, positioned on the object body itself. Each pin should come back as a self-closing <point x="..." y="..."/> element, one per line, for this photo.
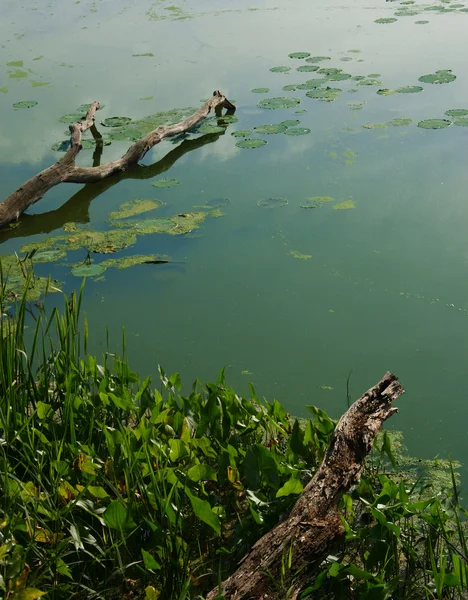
<point x="113" y="487"/>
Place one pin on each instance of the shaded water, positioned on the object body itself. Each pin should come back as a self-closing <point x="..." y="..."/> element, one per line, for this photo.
<point x="386" y="286"/>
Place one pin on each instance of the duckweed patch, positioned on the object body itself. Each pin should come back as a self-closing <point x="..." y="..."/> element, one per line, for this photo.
<point x="279" y="102"/>
<point x="135" y="207"/>
<point x="434" y="123"/>
<point x="439" y="77"/>
<point x="165" y="182"/>
<point x="346" y="205"/>
<point x="25" y="104"/>
<point x="272" y="202"/>
<point x="299" y="255"/>
<point x="250" y="143"/>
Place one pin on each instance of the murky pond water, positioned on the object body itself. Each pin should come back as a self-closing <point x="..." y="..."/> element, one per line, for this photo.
<point x="361" y="262"/>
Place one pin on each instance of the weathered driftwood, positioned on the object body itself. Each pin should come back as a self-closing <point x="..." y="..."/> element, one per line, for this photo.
<point x="314" y="524"/>
<point x="65" y="171"/>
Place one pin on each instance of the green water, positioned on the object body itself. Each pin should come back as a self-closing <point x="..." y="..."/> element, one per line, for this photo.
<point x="386" y="287"/>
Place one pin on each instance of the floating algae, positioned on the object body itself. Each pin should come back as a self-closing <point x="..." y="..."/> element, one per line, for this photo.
<point x="130" y="261"/>
<point x="315" y="201"/>
<point x="299" y="255"/>
<point x="441" y="76"/>
<point x="49" y="255"/>
<point x="272" y="202"/>
<point x="346" y="205"/>
<point x="178" y="225"/>
<point x="135" y="207"/>
<point x="16" y="273"/>
<point x="277" y="103"/>
<point x="250" y="143"/>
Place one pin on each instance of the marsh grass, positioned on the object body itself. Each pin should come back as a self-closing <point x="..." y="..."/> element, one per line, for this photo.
<point x="112" y="488"/>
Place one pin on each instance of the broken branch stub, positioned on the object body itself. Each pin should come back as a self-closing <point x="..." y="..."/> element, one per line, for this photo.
<point x="314" y="524"/>
<point x="65" y="171"/>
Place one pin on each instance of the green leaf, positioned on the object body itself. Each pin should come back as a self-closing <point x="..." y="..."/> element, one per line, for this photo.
<point x="202" y="510"/>
<point x="202" y="472"/>
<point x="293" y="486"/>
<point x="149" y="561"/>
<point x="97" y="491"/>
<point x="387" y="448"/>
<point x="151" y="593"/>
<point x="116" y="516"/>
<point x="28" y="594"/>
<point x="43" y="409"/>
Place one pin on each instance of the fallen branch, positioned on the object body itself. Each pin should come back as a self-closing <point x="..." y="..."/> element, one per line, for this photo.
<point x="314" y="524"/>
<point x="65" y="170"/>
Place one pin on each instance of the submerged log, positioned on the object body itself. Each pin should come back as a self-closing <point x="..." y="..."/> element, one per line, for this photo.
<point x="314" y="524"/>
<point x="65" y="170"/>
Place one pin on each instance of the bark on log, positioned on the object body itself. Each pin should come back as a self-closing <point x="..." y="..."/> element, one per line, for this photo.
<point x="314" y="524"/>
<point x="66" y="171"/>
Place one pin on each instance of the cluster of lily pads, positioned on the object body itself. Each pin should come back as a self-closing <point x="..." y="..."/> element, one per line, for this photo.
<point x="409" y="8"/>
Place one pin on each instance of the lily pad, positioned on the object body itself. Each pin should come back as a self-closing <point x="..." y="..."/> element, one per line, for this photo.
<point x="241" y="133"/>
<point x="272" y="202"/>
<point x="166" y="182"/>
<point x="375" y="125"/>
<point x="339" y="76"/>
<point x="61" y="146"/>
<point x="456" y="112"/>
<point x="409" y="89"/>
<point x="330" y="71"/>
<point x="130" y="261"/>
<point x="49" y="255"/>
<point x="71" y="118"/>
<point x="299" y="55"/>
<point x="277" y="103"/>
<point x="116" y="121"/>
<point x="346" y="205"/>
<point x="385" y="20"/>
<point x="85" y="270"/>
<point x="83" y="108"/>
<point x="316" y="59"/>
<point x="312" y="84"/>
<point x="280" y="69"/>
<point x="328" y="94"/>
<point x="290" y="122"/>
<point x="125" y="134"/>
<point x="399" y="122"/>
<point x="290" y="88"/>
<point x="250" y="143"/>
<point x="25" y="104"/>
<point x="260" y="90"/>
<point x="421" y="22"/>
<point x="461" y="122"/>
<point x="268" y="129"/>
<point x="297" y="131"/>
<point x="441" y="76"/>
<point x="434" y="124"/>
<point x="135" y="207"/>
<point x="307" y="68"/>
<point x="207" y="128"/>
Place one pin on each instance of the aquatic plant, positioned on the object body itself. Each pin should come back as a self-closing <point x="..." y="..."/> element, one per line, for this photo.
<point x="278" y="103"/>
<point x="272" y="202"/>
<point x="25" y="104"/>
<point x="165" y="182"/>
<point x="299" y="55"/>
<point x="434" y="123"/>
<point x="439" y="77"/>
<point x="250" y="143"/>
<point x="270" y="129"/>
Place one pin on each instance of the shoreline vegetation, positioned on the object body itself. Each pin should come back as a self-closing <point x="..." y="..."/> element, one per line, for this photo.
<point x="114" y="487"/>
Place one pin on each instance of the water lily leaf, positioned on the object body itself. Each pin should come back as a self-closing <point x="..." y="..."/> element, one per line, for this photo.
<point x="461" y="122"/>
<point x="409" y="89"/>
<point x="290" y="122"/>
<point x="280" y="69"/>
<point x="434" y="124"/>
<point x="61" y="146"/>
<point x="84" y="270"/>
<point x="165" y="182"/>
<point x="260" y="90"/>
<point x="312" y="84"/>
<point x="277" y="103"/>
<point x="25" y="104"/>
<point x="316" y="59"/>
<point x="49" y="255"/>
<point x="346" y="205"/>
<point x="339" y="76"/>
<point x="399" y="122"/>
<point x="125" y="134"/>
<point x="250" y="143"/>
<point x="441" y="76"/>
<point x="307" y="68"/>
<point x="421" y="22"/>
<point x="386" y="20"/>
<point x="330" y="71"/>
<point x="242" y="133"/>
<point x="328" y="94"/>
<point x="299" y="55"/>
<point x="290" y="88"/>
<point x="375" y="125"/>
<point x="116" y="121"/>
<point x="270" y="129"/>
<point x="456" y="112"/>
<point x="83" y="108"/>
<point x="71" y="118"/>
<point x="272" y="202"/>
<point x="207" y="128"/>
<point x="297" y="131"/>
